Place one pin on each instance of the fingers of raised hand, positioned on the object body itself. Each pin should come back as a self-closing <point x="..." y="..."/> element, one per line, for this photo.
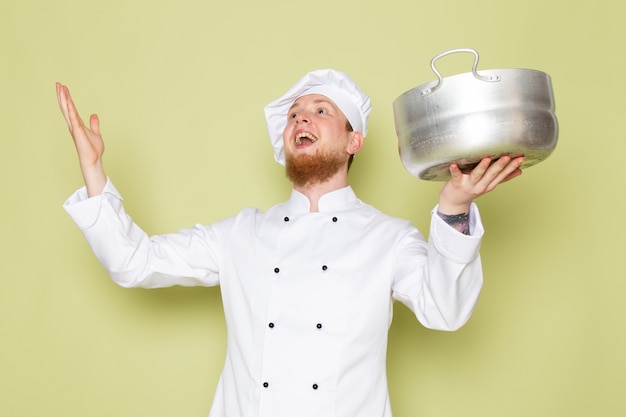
<point x="511" y="170"/>
<point x="68" y="108"/>
<point x="480" y="171"/>
<point x="455" y="172"/>
<point x="75" y="120"/>
<point x="94" y="124"/>
<point x="62" y="99"/>
<point x="502" y="170"/>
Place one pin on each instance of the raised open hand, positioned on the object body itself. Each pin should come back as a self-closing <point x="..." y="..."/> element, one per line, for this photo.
<point x="87" y="140"/>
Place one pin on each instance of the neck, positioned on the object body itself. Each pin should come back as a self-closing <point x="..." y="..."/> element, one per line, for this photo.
<point x="315" y="191"/>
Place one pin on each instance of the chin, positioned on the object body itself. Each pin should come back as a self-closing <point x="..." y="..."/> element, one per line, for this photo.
<point x="310" y="169"/>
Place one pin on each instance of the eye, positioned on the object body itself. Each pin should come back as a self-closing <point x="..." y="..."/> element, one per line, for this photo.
<point x="321" y="111"/>
<point x="293" y="115"/>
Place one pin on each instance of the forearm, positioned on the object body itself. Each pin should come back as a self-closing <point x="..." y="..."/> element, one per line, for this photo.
<point x="449" y="280"/>
<point x="94" y="177"/>
<point x="454" y="263"/>
<point x="130" y="256"/>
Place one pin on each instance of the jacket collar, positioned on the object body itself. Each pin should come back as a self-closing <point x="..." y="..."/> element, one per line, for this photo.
<point x="341" y="199"/>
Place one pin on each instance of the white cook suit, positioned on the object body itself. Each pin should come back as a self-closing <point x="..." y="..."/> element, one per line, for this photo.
<point x="307" y="296"/>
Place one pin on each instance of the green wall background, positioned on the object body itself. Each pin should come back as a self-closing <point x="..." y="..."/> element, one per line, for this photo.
<point x="180" y="88"/>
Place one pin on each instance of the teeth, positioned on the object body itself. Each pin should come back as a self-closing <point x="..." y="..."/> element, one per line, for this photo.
<point x="305" y="135"/>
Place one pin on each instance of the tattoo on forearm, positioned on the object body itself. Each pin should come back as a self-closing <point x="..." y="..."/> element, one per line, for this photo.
<point x="458" y="222"/>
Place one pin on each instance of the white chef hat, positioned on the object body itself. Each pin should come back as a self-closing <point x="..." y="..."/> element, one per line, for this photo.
<point x="336" y="85"/>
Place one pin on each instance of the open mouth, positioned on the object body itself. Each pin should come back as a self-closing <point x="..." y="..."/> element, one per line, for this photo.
<point x="304" y="137"/>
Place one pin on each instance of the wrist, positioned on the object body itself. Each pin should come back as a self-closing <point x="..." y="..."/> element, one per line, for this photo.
<point x="453" y="209"/>
<point x="95" y="179"/>
<point x="459" y="222"/>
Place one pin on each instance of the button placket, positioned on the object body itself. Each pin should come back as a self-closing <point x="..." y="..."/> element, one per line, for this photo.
<point x="311" y="317"/>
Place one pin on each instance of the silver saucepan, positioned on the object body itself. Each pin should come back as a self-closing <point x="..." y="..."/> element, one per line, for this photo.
<point x="466" y="117"/>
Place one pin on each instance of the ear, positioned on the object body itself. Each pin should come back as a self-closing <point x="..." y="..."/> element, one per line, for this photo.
<point x="356" y="142"/>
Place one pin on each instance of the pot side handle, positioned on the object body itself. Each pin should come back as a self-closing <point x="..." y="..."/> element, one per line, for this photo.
<point x="486" y="78"/>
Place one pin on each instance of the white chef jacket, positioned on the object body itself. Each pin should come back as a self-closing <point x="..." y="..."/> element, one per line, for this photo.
<point x="307" y="296"/>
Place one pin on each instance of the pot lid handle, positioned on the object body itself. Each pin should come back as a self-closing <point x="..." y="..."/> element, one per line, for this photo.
<point x="486" y="78"/>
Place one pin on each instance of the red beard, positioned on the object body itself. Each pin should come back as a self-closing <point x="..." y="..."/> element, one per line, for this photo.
<point x="313" y="169"/>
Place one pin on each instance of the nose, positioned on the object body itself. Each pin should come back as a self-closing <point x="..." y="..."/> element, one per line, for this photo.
<point x="303" y="117"/>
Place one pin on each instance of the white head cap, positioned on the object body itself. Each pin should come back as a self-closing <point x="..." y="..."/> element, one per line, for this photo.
<point x="336" y="85"/>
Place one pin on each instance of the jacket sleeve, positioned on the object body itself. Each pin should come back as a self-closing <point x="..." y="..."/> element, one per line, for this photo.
<point x="134" y="259"/>
<point x="440" y="281"/>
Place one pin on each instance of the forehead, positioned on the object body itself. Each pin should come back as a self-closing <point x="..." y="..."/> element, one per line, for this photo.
<point x="314" y="99"/>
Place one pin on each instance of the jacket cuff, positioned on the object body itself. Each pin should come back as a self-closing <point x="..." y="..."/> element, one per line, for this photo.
<point x="84" y="210"/>
<point x="453" y="244"/>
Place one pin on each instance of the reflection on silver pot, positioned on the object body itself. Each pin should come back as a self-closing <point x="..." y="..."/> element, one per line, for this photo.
<point x="466" y="117"/>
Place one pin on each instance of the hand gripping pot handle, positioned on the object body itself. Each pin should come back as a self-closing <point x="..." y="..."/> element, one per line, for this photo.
<point x="486" y="78"/>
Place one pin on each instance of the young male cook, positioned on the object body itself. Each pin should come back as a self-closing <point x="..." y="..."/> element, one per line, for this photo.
<point x="308" y="285"/>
